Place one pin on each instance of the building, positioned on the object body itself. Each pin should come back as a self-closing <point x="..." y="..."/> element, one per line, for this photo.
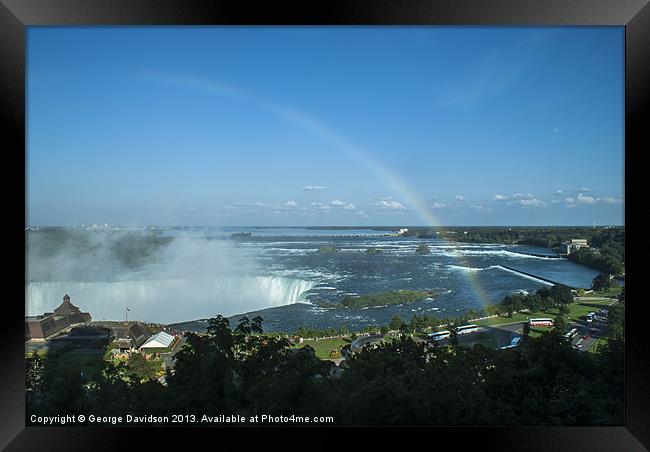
<point x="127" y="337"/>
<point x="158" y="340"/>
<point x="139" y="334"/>
<point x="516" y="340"/>
<point x="84" y="337"/>
<point x="42" y="326"/>
<point x="573" y="245"/>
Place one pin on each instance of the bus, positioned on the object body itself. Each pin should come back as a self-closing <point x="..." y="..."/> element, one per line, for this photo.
<point x="440" y="335"/>
<point x="573" y="332"/>
<point x="541" y="322"/>
<point x="467" y="329"/>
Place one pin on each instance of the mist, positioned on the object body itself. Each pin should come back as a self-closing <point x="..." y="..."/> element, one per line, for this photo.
<point x="160" y="279"/>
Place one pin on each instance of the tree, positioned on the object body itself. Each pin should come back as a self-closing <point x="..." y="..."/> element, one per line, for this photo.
<point x="416" y="323"/>
<point x="396" y="323"/>
<point x="616" y="321"/>
<point x="533" y="302"/>
<point x="600" y="282"/>
<point x="494" y="309"/>
<point x="384" y="330"/>
<point x="563" y="309"/>
<point x="526" y="330"/>
<point x="141" y="370"/>
<point x="453" y="335"/>
<point x="561" y="324"/>
<point x="561" y="294"/>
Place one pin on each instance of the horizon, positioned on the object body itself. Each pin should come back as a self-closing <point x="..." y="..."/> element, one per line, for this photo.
<point x="350" y="127"/>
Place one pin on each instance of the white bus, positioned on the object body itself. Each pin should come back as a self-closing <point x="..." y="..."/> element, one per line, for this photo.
<point x="465" y="329"/>
<point x="573" y="332"/>
<point x="541" y="322"/>
<point x="440" y="335"/>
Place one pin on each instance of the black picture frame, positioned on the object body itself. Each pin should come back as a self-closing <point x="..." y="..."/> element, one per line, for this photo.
<point x="16" y="15"/>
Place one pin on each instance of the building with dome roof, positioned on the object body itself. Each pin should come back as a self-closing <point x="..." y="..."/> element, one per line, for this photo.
<point x="42" y="326"/>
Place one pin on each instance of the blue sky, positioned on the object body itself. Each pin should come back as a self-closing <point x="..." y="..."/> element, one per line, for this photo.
<point x="325" y="126"/>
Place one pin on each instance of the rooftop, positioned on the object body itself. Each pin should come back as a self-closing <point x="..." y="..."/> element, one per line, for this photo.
<point x="161" y="338"/>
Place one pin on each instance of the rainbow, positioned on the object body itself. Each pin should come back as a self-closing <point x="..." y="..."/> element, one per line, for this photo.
<point x="389" y="177"/>
<point x="307" y="122"/>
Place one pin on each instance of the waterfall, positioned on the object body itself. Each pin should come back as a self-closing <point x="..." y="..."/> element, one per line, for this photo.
<point x="169" y="300"/>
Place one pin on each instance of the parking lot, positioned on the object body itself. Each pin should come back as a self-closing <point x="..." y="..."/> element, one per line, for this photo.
<point x="593" y="330"/>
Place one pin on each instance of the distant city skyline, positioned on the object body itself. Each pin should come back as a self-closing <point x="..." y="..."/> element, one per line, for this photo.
<point x="318" y="126"/>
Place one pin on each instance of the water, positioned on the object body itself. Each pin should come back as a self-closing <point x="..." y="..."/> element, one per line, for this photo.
<point x="280" y="274"/>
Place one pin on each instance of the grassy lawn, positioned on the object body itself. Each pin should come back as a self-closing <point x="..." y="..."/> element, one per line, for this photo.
<point x="323" y="347"/>
<point x="538" y="330"/>
<point x="581" y="308"/>
<point x="516" y="318"/>
<point x="149" y="351"/>
<point x="86" y="362"/>
<point x="577" y="309"/>
<point x="599" y="342"/>
<point x="611" y="292"/>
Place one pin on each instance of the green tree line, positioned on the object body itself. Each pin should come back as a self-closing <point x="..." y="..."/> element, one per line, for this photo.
<point x="242" y="371"/>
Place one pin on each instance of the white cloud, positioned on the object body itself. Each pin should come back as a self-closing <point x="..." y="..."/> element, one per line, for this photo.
<point x="582" y="199"/>
<point x="533" y="202"/>
<point x="559" y="192"/>
<point x="480" y="208"/>
<point x="523" y="196"/>
<point x="610" y="200"/>
<point x="584" y="189"/>
<point x="314" y="188"/>
<point x="498" y="197"/>
<point x="438" y="205"/>
<point x="345" y="205"/>
<point x="389" y="204"/>
<point x="459" y="197"/>
<point x="528" y="203"/>
<point x="291" y="204"/>
<point x="570" y="200"/>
